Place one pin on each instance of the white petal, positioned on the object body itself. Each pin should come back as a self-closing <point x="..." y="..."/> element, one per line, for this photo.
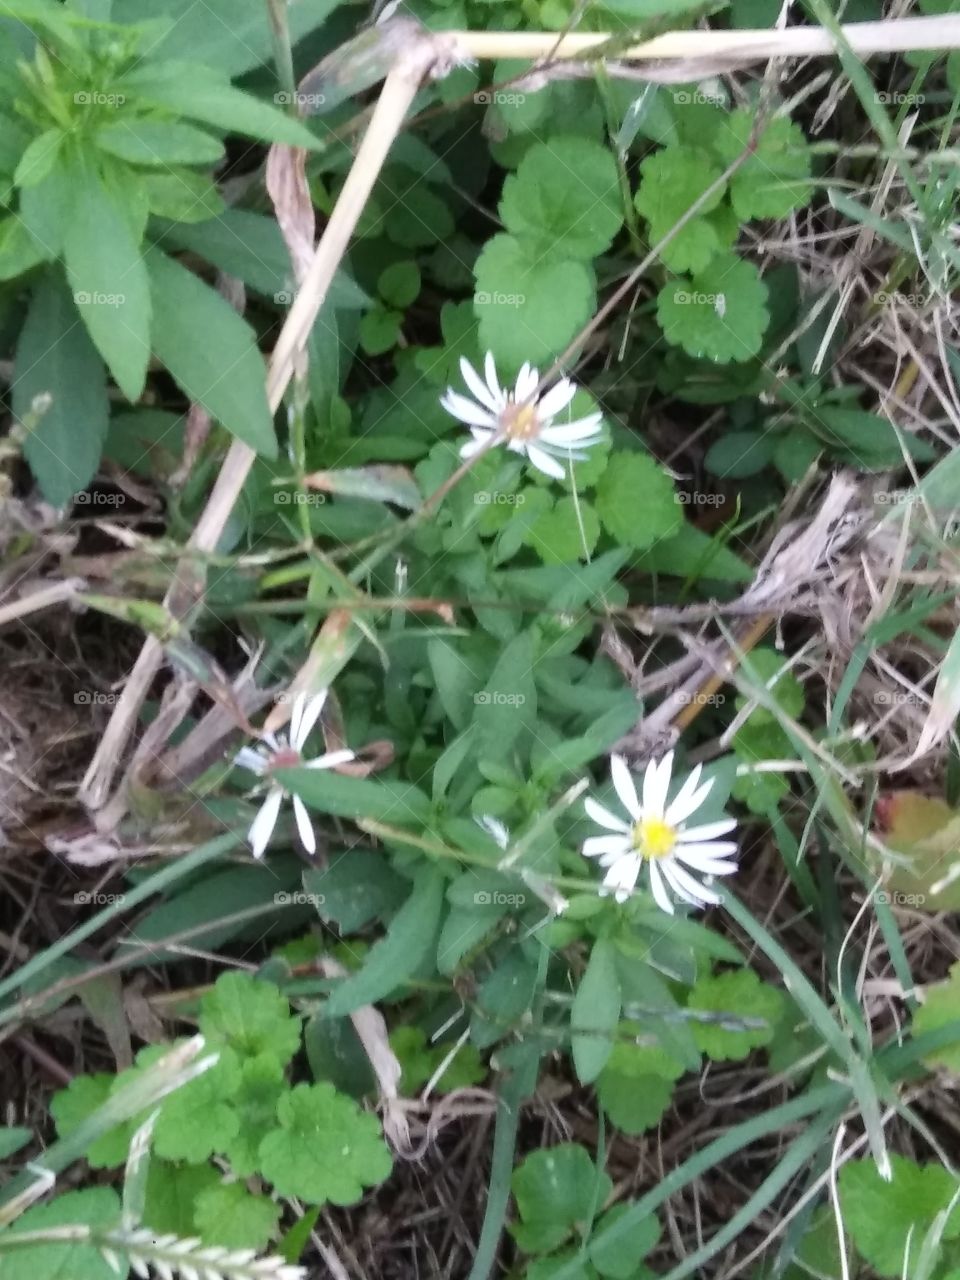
<point x="304" y="825"/>
<point x="624" y="785"/>
<point x="656" y="784"/>
<point x="616" y="845"/>
<point x="677" y="806"/>
<point x="296" y="715"/>
<point x="467" y="410"/>
<point x="688" y="802"/>
<point x="329" y="759"/>
<point x="252" y="759"/>
<point x="493" y="382"/>
<point x="705" y="865"/>
<point x="707" y="849"/>
<point x="557" y="398"/>
<point x="603" y="817"/>
<point x="526" y="383"/>
<point x="584" y="433"/>
<point x="483" y="393"/>
<point x="261" y="828"/>
<point x="474" y="446"/>
<point x="543" y="462"/>
<point x="657" y="888"/>
<point x="707" y="830"/>
<point x="622" y="877"/>
<point x="309" y="716"/>
<point x="695" y="892"/>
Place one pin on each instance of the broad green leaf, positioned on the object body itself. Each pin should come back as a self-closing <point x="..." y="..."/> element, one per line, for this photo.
<point x="18" y="250"/>
<point x="355" y="888"/>
<point x="941" y="1008"/>
<point x="410" y="938"/>
<point x="325" y="1149"/>
<point x="399" y="284"/>
<point x="671" y="180"/>
<point x="80" y="1099"/>
<point x="182" y="195"/>
<point x="158" y="143"/>
<point x="775" y="178"/>
<point x="249" y="1016"/>
<point x="381" y="799"/>
<point x="879" y="1215"/>
<point x="255" y="1103"/>
<point x="719" y="314"/>
<point x="636" y="501"/>
<point x="866" y="440"/>
<point x="172" y="1192"/>
<point x="56" y="1260"/>
<point x="595" y="1012"/>
<point x="55" y="356"/>
<point x="635" y="1103"/>
<point x="568" y="531"/>
<point x="745" y="1012"/>
<point x="529" y="308"/>
<point x="229" y="1215"/>
<point x="108" y="277"/>
<point x="39" y="158"/>
<point x="556" y="1189"/>
<point x="210" y="352"/>
<point x="692" y="553"/>
<point x="508" y="701"/>
<point x="195" y="92"/>
<point x="198" y="1119"/>
<point x="564" y="200"/>
<point x="619" y="1260"/>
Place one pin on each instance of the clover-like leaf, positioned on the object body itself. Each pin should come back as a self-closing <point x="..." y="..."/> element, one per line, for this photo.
<point x="747" y="1010"/>
<point x="719" y="314"/>
<point x="250" y="1016"/>
<point x="636" y="501"/>
<point x="327" y="1148"/>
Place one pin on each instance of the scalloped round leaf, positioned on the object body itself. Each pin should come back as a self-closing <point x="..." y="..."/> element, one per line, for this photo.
<point x="636" y="501"/>
<point x="671" y="180"/>
<point x="566" y="533"/>
<point x="879" y="1215"/>
<point x="720" y="314"/>
<point x="747" y="1010"/>
<point x="251" y="1016"/>
<point x="97" y="1207"/>
<point x="564" y="199"/>
<point x="529" y="309"/>
<point x="229" y="1215"/>
<point x="775" y="179"/>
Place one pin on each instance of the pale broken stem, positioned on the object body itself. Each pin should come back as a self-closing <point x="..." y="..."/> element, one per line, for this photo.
<point x="399" y="90"/>
<point x="69" y="589"/>
<point x="864" y="38"/>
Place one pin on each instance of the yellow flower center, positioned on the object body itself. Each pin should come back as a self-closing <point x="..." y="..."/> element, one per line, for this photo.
<point x="520" y="422"/>
<point x="654" y="838"/>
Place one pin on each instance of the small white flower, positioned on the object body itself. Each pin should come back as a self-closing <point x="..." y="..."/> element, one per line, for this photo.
<point x="656" y="834"/>
<point x="519" y="419"/>
<point x="282" y="752"/>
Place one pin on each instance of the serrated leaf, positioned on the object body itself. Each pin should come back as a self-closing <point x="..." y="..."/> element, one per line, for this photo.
<point x="249" y="1016"/>
<point x="108" y="278"/>
<point x="555" y="1189"/>
<point x="210" y="352"/>
<point x="80" y="1099"/>
<point x="410" y="938"/>
<point x="255" y="1102"/>
<point x="569" y="531"/>
<point x="198" y="1119"/>
<point x="564" y="200"/>
<point x="719" y="314"/>
<point x="326" y="1147"/>
<point x="671" y="180"/>
<point x="595" y="1012"/>
<point x="97" y="1207"/>
<point x="880" y="1215"/>
<point x="528" y="307"/>
<point x="172" y="1192"/>
<point x="55" y="355"/>
<point x="636" y="501"/>
<point x="227" y="1214"/>
<point x="774" y="179"/>
<point x="749" y="1010"/>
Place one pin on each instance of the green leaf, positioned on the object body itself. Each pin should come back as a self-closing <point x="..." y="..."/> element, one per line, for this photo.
<point x="867" y="441"/>
<point x="595" y="1012"/>
<point x="879" y="1215"/>
<point x="97" y="1207"/>
<point x="158" y="143"/>
<point x="767" y="669"/>
<point x="508" y="701"/>
<point x="172" y="1192"/>
<point x="569" y="531"/>
<point x="620" y="1259"/>
<point x="18" y="250"/>
<point x="692" y="553"/>
<point x="255" y="1103"/>
<point x="636" y="501"/>
<point x="195" y="91"/>
<point x="355" y="888"/>
<point x="720" y="314"/>
<point x="774" y="179"/>
<point x="106" y="272"/>
<point x="635" y="1103"/>
<point x="326" y="1148"/>
<point x="55" y="355"/>
<point x="941" y="1008"/>
<point x="750" y="1012"/>
<point x="39" y="158"/>
<point x="381" y="799"/>
<point x="80" y="1099"/>
<point x="182" y="196"/>
<point x="410" y="938"/>
<point x="528" y="307"/>
<point x="399" y="284"/>
<point x="671" y="180"/>
<point x="738" y="454"/>
<point x="12" y="1138"/>
<point x="556" y="1190"/>
<point x="210" y="352"/>
<point x="249" y="1016"/>
<point x="564" y="200"/>
<point x="198" y="1119"/>
<point x="229" y="1215"/>
<point x="380" y="330"/>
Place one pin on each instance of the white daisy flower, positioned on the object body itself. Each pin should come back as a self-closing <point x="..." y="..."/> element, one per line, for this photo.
<point x="656" y="834"/>
<point x="282" y="752"/>
<point x="519" y="419"/>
